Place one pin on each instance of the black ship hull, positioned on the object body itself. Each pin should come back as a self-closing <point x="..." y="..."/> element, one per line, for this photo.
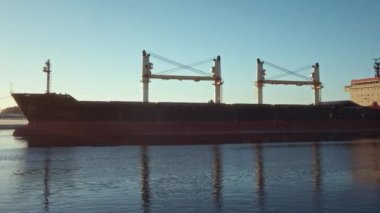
<point x="59" y="116"/>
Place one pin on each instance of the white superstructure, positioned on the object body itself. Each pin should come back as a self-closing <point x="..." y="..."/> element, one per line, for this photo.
<point x="366" y="91"/>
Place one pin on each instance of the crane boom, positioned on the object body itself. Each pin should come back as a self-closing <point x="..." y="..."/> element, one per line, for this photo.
<point x="297" y="83"/>
<point x="182" y="77"/>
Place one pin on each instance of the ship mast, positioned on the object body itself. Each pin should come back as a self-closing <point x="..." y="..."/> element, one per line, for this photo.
<point x="48" y="71"/>
<point x="376" y="66"/>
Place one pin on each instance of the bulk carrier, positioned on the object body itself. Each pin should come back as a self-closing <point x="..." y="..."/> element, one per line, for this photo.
<point x="62" y="116"/>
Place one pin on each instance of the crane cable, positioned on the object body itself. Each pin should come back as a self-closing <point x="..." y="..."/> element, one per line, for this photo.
<point x="296" y="71"/>
<point x="287" y="71"/>
<point x="179" y="64"/>
<point x="190" y="65"/>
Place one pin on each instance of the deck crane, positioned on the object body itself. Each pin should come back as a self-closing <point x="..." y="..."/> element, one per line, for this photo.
<point x="147" y="75"/>
<point x="314" y="81"/>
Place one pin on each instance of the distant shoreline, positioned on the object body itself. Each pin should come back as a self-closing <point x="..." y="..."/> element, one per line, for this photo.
<point x="14" y="126"/>
<point x="12" y="121"/>
<point x="11" y="116"/>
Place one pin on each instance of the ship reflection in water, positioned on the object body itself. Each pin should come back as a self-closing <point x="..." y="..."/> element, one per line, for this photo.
<point x="276" y="177"/>
<point x="316" y="171"/>
<point x="259" y="173"/>
<point x="46" y="180"/>
<point x="217" y="182"/>
<point x="145" y="196"/>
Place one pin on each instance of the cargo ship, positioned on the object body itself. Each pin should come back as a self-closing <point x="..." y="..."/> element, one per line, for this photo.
<point x="61" y="115"/>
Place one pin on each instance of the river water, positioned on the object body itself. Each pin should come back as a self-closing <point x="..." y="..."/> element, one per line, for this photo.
<point x="275" y="177"/>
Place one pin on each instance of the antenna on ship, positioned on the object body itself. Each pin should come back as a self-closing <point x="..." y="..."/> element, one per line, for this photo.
<point x="376" y="66"/>
<point x="48" y="71"/>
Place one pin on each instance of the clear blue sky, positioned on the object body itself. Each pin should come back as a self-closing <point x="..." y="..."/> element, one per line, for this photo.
<point x="95" y="46"/>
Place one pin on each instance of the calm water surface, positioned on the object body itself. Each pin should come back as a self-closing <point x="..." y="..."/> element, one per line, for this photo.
<point x="302" y="177"/>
